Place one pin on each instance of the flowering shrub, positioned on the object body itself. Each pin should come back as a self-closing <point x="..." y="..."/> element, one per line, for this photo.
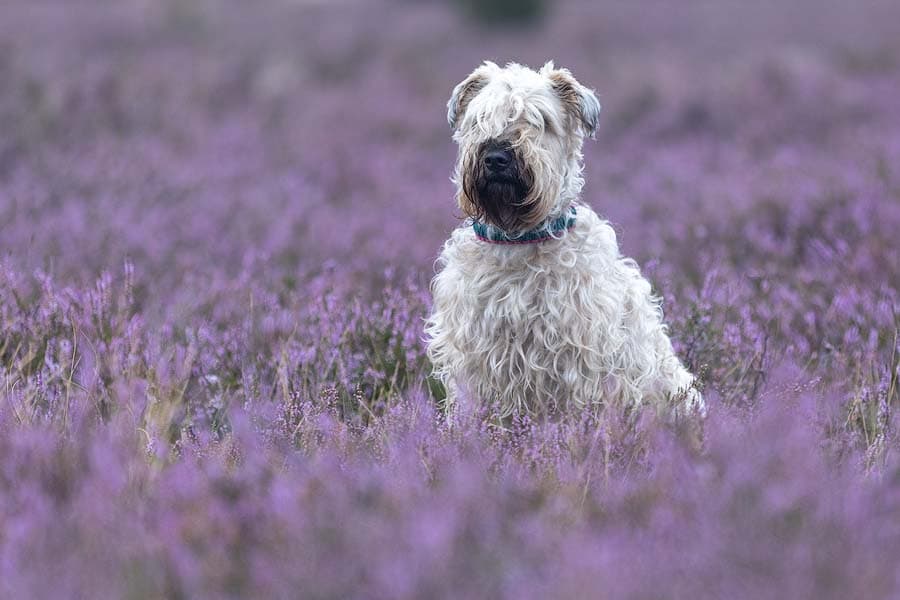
<point x="218" y="226"/>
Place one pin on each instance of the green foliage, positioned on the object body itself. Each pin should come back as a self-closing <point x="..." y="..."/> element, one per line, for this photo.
<point x="505" y="12"/>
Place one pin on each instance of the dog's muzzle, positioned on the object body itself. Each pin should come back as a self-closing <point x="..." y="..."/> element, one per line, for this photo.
<point x="502" y="185"/>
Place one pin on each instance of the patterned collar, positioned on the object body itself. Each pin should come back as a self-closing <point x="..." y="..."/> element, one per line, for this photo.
<point x="546" y="231"/>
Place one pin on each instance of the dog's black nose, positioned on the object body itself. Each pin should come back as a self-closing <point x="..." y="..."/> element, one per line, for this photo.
<point x="497" y="159"/>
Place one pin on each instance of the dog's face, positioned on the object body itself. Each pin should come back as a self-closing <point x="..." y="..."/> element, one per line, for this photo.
<point x="520" y="134"/>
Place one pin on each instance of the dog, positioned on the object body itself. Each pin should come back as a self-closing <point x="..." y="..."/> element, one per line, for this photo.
<point x="535" y="309"/>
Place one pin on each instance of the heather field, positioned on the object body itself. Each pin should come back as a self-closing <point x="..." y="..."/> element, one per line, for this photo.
<point x="218" y="221"/>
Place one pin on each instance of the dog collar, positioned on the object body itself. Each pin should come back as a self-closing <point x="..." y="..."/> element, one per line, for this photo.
<point x="547" y="231"/>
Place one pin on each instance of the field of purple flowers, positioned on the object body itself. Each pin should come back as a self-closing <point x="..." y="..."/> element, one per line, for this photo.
<point x="217" y="226"/>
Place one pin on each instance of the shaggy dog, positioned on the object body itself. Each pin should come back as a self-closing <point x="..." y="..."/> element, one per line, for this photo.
<point x="535" y="310"/>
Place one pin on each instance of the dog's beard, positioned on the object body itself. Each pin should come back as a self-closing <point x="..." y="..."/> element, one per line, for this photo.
<point x="501" y="200"/>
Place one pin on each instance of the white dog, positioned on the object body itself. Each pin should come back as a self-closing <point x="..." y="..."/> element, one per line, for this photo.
<point x="535" y="310"/>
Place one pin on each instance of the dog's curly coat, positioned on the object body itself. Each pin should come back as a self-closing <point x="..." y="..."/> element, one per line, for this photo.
<point x="562" y="323"/>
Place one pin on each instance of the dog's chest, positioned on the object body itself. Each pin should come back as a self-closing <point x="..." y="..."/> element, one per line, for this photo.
<point x="511" y="310"/>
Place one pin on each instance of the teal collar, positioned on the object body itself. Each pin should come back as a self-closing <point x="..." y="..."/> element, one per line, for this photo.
<point x="546" y="231"/>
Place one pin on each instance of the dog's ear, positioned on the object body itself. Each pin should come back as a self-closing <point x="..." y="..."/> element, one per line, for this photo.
<point x="579" y="101"/>
<point x="465" y="90"/>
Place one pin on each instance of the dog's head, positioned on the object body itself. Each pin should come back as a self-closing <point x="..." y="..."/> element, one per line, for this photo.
<point x="520" y="134"/>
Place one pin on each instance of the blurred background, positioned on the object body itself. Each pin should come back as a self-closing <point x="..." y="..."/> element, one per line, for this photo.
<point x="182" y="134"/>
